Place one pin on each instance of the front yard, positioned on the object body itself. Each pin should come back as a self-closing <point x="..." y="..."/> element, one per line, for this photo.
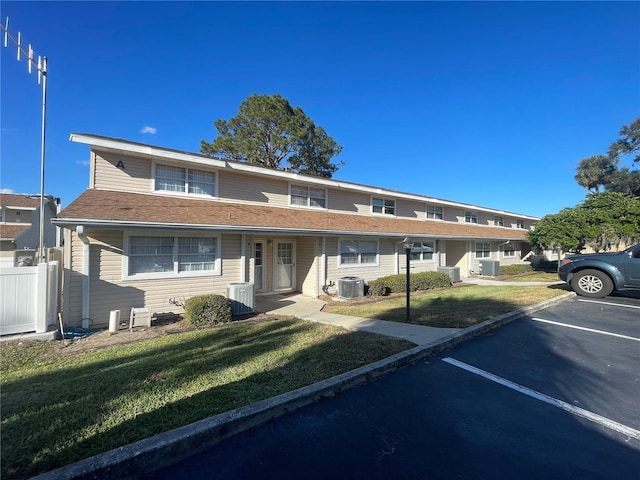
<point x="62" y="404"/>
<point x="57" y="409"/>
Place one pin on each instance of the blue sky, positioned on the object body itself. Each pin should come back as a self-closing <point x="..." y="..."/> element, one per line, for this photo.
<point x="487" y="103"/>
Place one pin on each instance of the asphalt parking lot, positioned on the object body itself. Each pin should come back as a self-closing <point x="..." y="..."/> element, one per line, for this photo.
<point x="554" y="395"/>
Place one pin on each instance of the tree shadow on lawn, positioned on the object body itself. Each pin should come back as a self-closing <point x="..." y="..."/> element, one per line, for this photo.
<point x="167" y="387"/>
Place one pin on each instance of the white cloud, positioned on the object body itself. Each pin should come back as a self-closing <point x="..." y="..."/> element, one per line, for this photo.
<point x="6" y="190"/>
<point x="148" y="129"/>
<point x="83" y="162"/>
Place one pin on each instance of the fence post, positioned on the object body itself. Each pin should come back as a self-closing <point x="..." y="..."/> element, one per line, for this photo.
<point x="41" y="298"/>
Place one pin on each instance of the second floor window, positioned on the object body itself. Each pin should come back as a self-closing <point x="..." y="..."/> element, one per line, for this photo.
<point x="498" y="221"/>
<point x="184" y="180"/>
<point x="434" y="212"/>
<point x="308" y="196"/>
<point x="519" y="223"/>
<point x="470" y="217"/>
<point x="383" y="205"/>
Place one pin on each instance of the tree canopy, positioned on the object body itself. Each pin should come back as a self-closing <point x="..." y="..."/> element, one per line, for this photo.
<point x="595" y="172"/>
<point x="602" y="221"/>
<point x="628" y="141"/>
<point x="601" y="171"/>
<point x="268" y="131"/>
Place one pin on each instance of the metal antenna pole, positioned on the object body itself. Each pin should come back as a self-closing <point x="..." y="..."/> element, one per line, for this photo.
<point x="41" y="67"/>
<point x="42" y="137"/>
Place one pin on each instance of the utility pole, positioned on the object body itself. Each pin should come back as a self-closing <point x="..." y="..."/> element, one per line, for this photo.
<point x="41" y="67"/>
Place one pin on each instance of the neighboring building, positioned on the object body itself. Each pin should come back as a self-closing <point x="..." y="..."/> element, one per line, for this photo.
<point x="158" y="225"/>
<point x="20" y="224"/>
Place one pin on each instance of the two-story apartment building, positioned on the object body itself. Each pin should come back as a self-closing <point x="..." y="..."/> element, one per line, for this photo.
<point x="20" y="225"/>
<point x="156" y="225"/>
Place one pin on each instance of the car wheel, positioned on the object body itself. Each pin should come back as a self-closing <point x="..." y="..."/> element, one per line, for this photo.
<point x="592" y="283"/>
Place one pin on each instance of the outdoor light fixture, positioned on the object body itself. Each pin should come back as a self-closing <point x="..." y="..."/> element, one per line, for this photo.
<point x="408" y="245"/>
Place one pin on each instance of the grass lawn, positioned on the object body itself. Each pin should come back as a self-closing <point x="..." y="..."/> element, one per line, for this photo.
<point x="58" y="409"/>
<point x="531" y="277"/>
<point x="457" y="307"/>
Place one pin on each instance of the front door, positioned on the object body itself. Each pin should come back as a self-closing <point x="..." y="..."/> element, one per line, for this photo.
<point x="284" y="271"/>
<point x="259" y="265"/>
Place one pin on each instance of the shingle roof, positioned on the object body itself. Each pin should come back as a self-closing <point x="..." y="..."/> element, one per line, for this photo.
<point x="121" y="209"/>
<point x="10" y="232"/>
<point x="20" y="201"/>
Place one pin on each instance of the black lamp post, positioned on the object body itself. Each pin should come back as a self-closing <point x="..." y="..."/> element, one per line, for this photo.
<point x="408" y="245"/>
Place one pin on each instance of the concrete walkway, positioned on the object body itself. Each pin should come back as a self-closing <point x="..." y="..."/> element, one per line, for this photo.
<point x="308" y="308"/>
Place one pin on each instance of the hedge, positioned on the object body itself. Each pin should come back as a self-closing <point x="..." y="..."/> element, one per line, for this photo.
<point x="516" y="269"/>
<point x="418" y="281"/>
<point x="207" y="310"/>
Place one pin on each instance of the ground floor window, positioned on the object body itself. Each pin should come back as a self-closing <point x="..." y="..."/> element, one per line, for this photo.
<point x="358" y="252"/>
<point x="509" y="250"/>
<point x="167" y="255"/>
<point x="422" y="251"/>
<point x="483" y="249"/>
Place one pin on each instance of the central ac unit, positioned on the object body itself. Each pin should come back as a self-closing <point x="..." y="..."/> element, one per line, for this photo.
<point x="350" y="287"/>
<point x="242" y="298"/>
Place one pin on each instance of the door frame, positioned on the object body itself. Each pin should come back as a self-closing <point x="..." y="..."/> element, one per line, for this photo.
<point x="274" y="285"/>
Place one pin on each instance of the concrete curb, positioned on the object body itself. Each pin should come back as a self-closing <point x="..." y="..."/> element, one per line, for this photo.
<point x="135" y="459"/>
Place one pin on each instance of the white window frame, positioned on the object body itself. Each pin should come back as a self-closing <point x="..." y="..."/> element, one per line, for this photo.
<point x="309" y="197"/>
<point x="509" y="250"/>
<point x="471" y="217"/>
<point x="498" y="221"/>
<point x="437" y="212"/>
<point x="384" y="208"/>
<point x="217" y="270"/>
<point x="483" y="252"/>
<point x="421" y="248"/>
<point x="359" y="263"/>
<point x="187" y="171"/>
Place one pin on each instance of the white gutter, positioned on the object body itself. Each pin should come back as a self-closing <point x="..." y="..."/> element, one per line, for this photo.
<point x="85" y="275"/>
<point x="252" y="229"/>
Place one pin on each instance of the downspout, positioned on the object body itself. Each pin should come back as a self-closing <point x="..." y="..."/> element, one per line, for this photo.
<point x="243" y="258"/>
<point x="85" y="275"/>
<point x="323" y="264"/>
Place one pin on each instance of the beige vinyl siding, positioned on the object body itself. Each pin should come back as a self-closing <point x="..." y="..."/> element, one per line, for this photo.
<point x="351" y="202"/>
<point x="109" y="292"/>
<point x="306" y="266"/>
<point x="72" y="307"/>
<point x="240" y="187"/>
<point x="386" y="259"/>
<point x="408" y="209"/>
<point x="135" y="177"/>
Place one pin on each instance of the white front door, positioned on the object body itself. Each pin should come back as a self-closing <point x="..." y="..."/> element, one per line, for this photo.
<point x="284" y="271"/>
<point x="259" y="265"/>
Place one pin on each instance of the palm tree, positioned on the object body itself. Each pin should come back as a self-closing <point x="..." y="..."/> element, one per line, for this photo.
<point x="595" y="171"/>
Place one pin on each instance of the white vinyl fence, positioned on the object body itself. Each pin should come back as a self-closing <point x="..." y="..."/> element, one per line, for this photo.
<point x="28" y="298"/>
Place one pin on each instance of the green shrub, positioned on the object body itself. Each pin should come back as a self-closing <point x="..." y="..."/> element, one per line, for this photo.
<point x="207" y="310"/>
<point x="516" y="269"/>
<point x="418" y="281"/>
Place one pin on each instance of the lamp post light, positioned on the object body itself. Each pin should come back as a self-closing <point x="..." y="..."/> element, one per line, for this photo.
<point x="407" y="244"/>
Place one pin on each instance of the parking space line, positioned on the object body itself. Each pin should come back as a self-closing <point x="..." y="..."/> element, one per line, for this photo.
<point x="601" y="332"/>
<point x="609" y="303"/>
<point x="580" y="412"/>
